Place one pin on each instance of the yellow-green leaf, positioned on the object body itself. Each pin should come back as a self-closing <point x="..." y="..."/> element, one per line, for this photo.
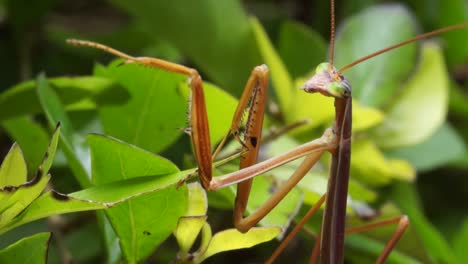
<point x="422" y="107"/>
<point x="232" y="239"/>
<point x="402" y="170"/>
<point x="368" y="164"/>
<point x="13" y="170"/>
<point x="365" y="117"/>
<point x="192" y="222"/>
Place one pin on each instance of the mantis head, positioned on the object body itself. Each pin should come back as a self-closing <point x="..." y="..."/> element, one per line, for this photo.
<point x="328" y="81"/>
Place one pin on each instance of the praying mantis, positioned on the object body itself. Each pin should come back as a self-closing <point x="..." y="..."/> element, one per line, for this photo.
<point x="328" y="81"/>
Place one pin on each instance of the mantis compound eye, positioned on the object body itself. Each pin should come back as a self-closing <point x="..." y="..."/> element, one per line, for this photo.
<point x="339" y="89"/>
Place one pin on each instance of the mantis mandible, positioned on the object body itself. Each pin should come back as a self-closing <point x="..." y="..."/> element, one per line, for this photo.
<point x="328" y="81"/>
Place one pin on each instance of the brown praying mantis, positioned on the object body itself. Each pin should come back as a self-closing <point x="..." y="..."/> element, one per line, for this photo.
<point x="328" y="81"/>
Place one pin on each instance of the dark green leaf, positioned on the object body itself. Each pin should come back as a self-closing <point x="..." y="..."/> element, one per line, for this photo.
<point x="456" y="43"/>
<point x="460" y="241"/>
<point x="405" y="196"/>
<point x="75" y="93"/>
<point x="215" y="35"/>
<point x="31" y="136"/>
<point x="31" y="250"/>
<point x="301" y="48"/>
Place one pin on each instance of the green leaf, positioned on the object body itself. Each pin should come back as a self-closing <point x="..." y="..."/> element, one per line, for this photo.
<point x="301" y="48"/>
<point x="98" y="197"/>
<point x="220" y="107"/>
<point x="114" y="160"/>
<point x="282" y="82"/>
<point x="368" y="245"/>
<point x="155" y="111"/>
<point x="220" y="43"/>
<point x="376" y="81"/>
<point x="405" y="196"/>
<point x="109" y="238"/>
<point x="73" y="147"/>
<point x="455" y="42"/>
<point x="75" y="93"/>
<point x="144" y="222"/>
<point x="50" y="152"/>
<point x="460" y="241"/>
<point x="31" y="136"/>
<point x="191" y="223"/>
<point x="443" y="146"/>
<point x="232" y="239"/>
<point x="422" y="106"/>
<point x="457" y="100"/>
<point x="17" y="199"/>
<point x="13" y="170"/>
<point x="29" y="250"/>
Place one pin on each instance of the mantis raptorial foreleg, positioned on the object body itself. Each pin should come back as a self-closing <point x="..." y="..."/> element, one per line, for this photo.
<point x="253" y="99"/>
<point x="328" y="81"/>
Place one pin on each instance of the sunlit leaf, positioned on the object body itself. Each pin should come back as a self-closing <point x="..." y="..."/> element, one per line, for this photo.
<point x="18" y="198"/>
<point x="143" y="222"/>
<point x="317" y="108"/>
<point x="369" y="165"/>
<point x="191" y="223"/>
<point x="232" y="239"/>
<point x="365" y="117"/>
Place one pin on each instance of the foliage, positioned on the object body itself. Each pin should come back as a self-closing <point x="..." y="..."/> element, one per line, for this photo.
<point x="406" y="129"/>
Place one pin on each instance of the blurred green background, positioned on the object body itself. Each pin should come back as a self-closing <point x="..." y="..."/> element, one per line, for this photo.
<point x="217" y="38"/>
